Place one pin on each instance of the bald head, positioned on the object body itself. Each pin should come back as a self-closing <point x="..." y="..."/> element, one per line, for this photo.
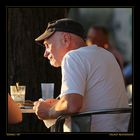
<point x="59" y="44"/>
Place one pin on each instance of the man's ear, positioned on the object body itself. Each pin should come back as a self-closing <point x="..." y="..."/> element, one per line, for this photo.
<point x="66" y="39"/>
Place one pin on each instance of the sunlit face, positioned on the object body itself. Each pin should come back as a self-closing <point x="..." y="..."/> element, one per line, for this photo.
<point x="54" y="49"/>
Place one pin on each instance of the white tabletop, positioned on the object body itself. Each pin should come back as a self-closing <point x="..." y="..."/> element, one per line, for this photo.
<point x="27" y="111"/>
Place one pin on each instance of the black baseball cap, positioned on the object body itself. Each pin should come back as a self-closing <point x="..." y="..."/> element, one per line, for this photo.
<point x="64" y="25"/>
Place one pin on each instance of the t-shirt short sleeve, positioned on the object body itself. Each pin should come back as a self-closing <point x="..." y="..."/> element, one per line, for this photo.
<point x="73" y="74"/>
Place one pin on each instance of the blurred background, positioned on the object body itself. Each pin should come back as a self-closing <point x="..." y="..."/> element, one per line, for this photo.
<point x="118" y="21"/>
<point x="25" y="61"/>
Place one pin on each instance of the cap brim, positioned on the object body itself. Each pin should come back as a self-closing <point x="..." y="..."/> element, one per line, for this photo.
<point x="44" y="36"/>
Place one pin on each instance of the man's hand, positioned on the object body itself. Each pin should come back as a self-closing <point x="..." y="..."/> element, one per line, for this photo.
<point x="52" y="108"/>
<point x="42" y="107"/>
<point x="51" y="101"/>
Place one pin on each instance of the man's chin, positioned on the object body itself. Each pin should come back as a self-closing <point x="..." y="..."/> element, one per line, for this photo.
<point x="55" y="65"/>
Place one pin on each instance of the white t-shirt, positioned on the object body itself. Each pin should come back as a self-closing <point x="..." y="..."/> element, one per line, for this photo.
<point x="94" y="73"/>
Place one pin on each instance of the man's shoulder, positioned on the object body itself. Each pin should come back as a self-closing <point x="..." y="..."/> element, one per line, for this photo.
<point x="72" y="53"/>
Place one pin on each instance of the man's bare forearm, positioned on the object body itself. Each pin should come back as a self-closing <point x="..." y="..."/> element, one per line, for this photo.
<point x="58" y="109"/>
<point x="52" y="113"/>
<point x="66" y="105"/>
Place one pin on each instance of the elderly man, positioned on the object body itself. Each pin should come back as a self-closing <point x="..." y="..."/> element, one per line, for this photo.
<point x="91" y="78"/>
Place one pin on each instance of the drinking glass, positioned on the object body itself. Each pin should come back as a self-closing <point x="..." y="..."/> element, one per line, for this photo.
<point x="18" y="93"/>
<point x="47" y="90"/>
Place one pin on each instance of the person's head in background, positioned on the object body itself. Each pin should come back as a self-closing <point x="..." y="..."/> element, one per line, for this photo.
<point x="99" y="35"/>
<point x="60" y="37"/>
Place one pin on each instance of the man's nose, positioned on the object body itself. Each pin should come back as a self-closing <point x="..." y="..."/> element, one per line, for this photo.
<point x="46" y="53"/>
